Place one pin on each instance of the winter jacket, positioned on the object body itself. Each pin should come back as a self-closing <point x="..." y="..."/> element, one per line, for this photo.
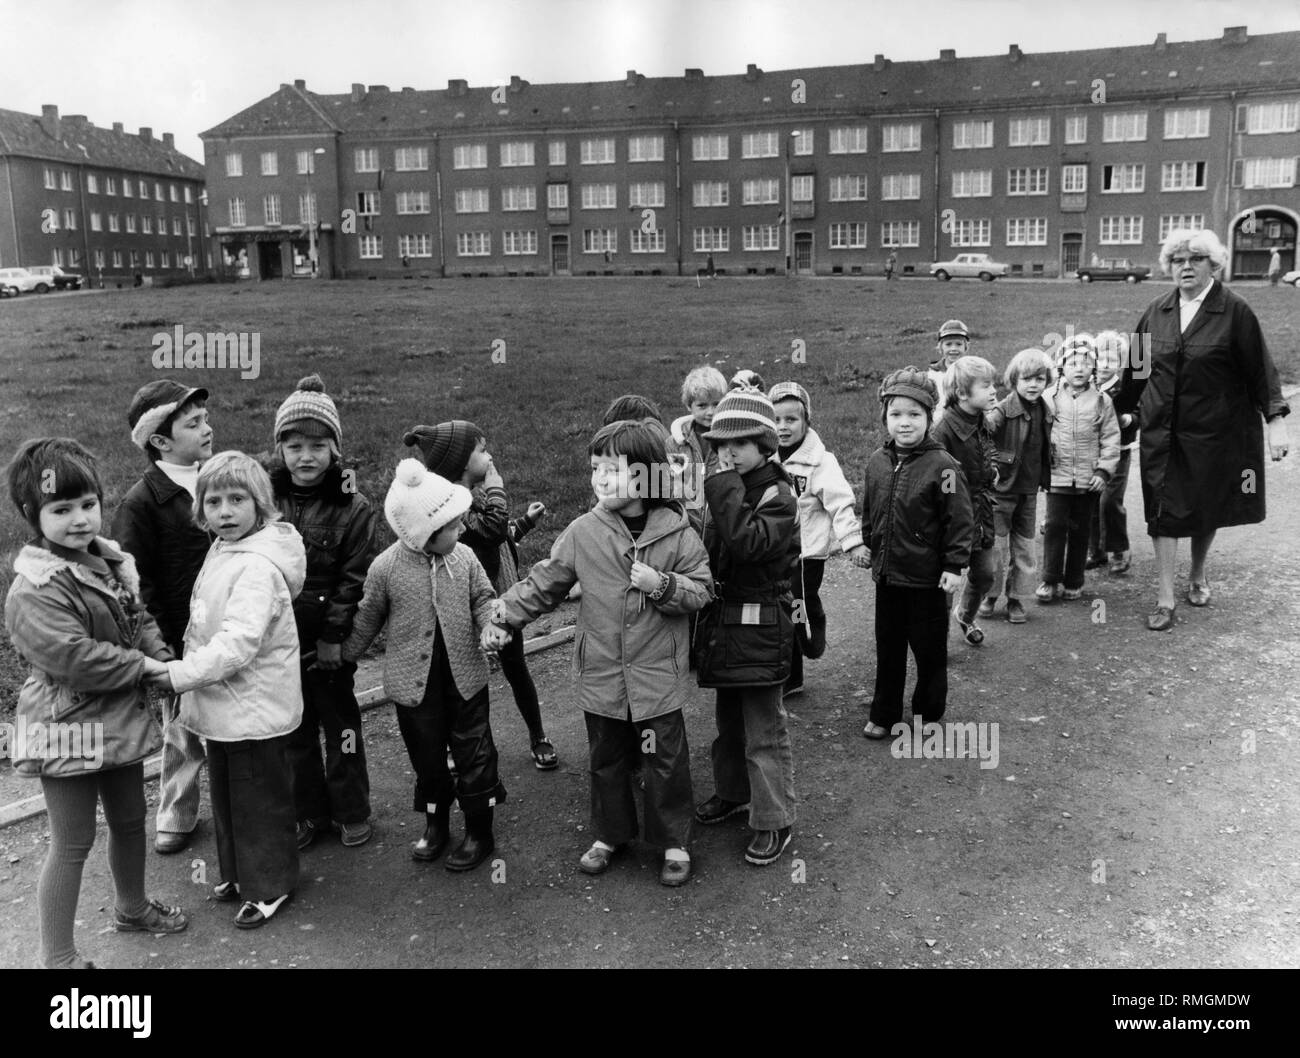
<point x="1200" y="412"/>
<point x="487" y="534"/>
<point x="86" y="647"/>
<point x="751" y="534"/>
<point x="155" y="523"/>
<point x="699" y="458"/>
<point x="917" y="525"/>
<point x="240" y="678"/>
<point x="1085" y="437"/>
<point x="967" y="439"/>
<point x="1127" y="434"/>
<point x="630" y="652"/>
<point x="338" y="532"/>
<point x="826" y="518"/>
<point x="411" y="592"/>
<point x="1008" y="422"/>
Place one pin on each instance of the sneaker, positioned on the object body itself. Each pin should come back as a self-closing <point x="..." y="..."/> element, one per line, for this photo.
<point x="307" y="831"/>
<point x="1120" y="561"/>
<point x="875" y="732"/>
<point x="1048" y="593"/>
<point x="1071" y="594"/>
<point x="157" y="919"/>
<point x="715" y="810"/>
<point x="1095" y="559"/>
<point x="767" y="846"/>
<point x="971" y="632"/>
<point x="354" y="834"/>
<point x="1015" y="612"/>
<point x="986" y="606"/>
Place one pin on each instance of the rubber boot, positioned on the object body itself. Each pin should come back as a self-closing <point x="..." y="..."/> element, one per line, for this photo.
<point x="437" y="833"/>
<point x="478" y="843"/>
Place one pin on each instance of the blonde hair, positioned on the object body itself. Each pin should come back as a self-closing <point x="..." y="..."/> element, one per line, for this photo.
<point x="963" y="374"/>
<point x="1026" y="364"/>
<point x="235" y="470"/>
<point x="1112" y="351"/>
<point x="703" y="382"/>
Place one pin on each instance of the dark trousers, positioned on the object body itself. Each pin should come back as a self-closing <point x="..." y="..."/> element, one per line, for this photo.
<point x="252" y="808"/>
<point x="1065" y="537"/>
<point x="753" y="761"/>
<point x="1109" y="531"/>
<point x="915" y="618"/>
<point x="338" y="790"/>
<point x="658" y="747"/>
<point x="514" y="666"/>
<point x="805" y="588"/>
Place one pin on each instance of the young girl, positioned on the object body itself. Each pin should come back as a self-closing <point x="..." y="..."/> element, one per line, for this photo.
<point x="74" y="614"/>
<point x="701" y="391"/>
<point x="916" y="513"/>
<point x="826" y="518"/>
<point x="338" y="531"/>
<point x="458" y="452"/>
<point x="642" y="570"/>
<point x="239" y="681"/>
<point x="434" y="597"/>
<point x="1085" y="453"/>
<point x="1109" y="531"/>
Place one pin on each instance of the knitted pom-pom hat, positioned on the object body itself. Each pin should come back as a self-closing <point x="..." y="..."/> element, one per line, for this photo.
<point x="446" y="447"/>
<point x="419" y="503"/>
<point x="910" y="382"/>
<point x="309" y="410"/>
<point x="744" y="413"/>
<point x="792" y="391"/>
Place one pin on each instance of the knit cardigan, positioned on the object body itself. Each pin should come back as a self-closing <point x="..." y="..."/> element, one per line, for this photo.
<point x="411" y="592"/>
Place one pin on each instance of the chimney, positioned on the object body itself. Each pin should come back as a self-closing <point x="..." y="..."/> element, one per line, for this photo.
<point x="358" y="92"/>
<point x="880" y="64"/>
<point x="631" y="79"/>
<point x="1234" y="35"/>
<point x="169" y="141"/>
<point x="379" y="89"/>
<point x="752" y="72"/>
<point x="76" y="120"/>
<point x="50" y="121"/>
<point x="1162" y="41"/>
<point x="458" y="86"/>
<point x="693" y="74"/>
<point x="1015" y="53"/>
<point x="146" y="134"/>
<point x="406" y="91"/>
<point x="947" y="55"/>
<point x="517" y="83"/>
<point x="300" y="85"/>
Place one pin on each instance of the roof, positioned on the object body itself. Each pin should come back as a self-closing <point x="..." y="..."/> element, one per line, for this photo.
<point x="1234" y="62"/>
<point x="80" y="142"/>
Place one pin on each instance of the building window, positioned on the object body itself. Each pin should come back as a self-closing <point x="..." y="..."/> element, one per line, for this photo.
<point x="761" y="237"/>
<point x="117" y="258"/>
<point x="802" y="188"/>
<point x="411" y="160"/>
<point x="513" y="199"/>
<point x="128" y="190"/>
<point x="189" y="195"/>
<point x="372" y="247"/>
<point x="849" y="140"/>
<point x="1265" y="172"/>
<point x="1264" y="118"/>
<point x="848" y="236"/>
<point x="711" y="148"/>
<point x="1027" y="231"/>
<point x="1074" y="179"/>
<point x="900" y="233"/>
<point x="648" y="241"/>
<point x="92" y="184"/>
<point x="1192" y="123"/>
<point x="557" y="196"/>
<point x="176" y="225"/>
<point x="472" y="200"/>
<point x="850" y="188"/>
<point x="164" y="259"/>
<point x="1076" y="128"/>
<point x="1121" y="231"/>
<point x="171" y="189"/>
<point x="972" y="233"/>
<point x="306" y="209"/>
<point x="555" y="152"/>
<point x="271" y="208"/>
<point x="96" y="222"/>
<point x="760" y="145"/>
<point x="600" y="240"/>
<point x="897" y="186"/>
<point x="803" y="141"/>
<point x="646" y="194"/>
<point x="65" y="179"/>
<point x="1170" y="222"/>
<point x="133" y="259"/>
<point x="418" y="245"/>
<point x="113" y="224"/>
<point x="710" y="193"/>
<point x="237" y="218"/>
<point x="712" y="240"/>
<point x="234" y="164"/>
<point x="306" y="163"/>
<point x="474" y="244"/>
<point x="760" y="192"/>
<point x="413" y="202"/>
<point x="366" y="159"/>
<point x="189" y="224"/>
<point x="110" y="185"/>
<point x="599" y="196"/>
<point x="1130" y="177"/>
<point x="518" y="243"/>
<point x="51" y="179"/>
<point x="515" y="153"/>
<point x="1182" y="176"/>
<point x="270" y="163"/>
<point x="895" y="138"/>
<point x="99" y="260"/>
<point x="1027" y="181"/>
<point x="645" y="149"/>
<point x="130" y="219"/>
<point x="1029" y="132"/>
<point x="148" y="259"/>
<point x="971" y="135"/>
<point x="1127" y="127"/>
<point x="146" y="224"/>
<point x="368" y="203"/>
<point x="597" y="151"/>
<point x="469" y="156"/>
<point x="58" y="257"/>
<point x="972" y="183"/>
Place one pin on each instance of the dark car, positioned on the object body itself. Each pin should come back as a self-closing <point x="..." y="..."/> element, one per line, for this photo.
<point x="1115" y="268"/>
<point x="53" y="276"/>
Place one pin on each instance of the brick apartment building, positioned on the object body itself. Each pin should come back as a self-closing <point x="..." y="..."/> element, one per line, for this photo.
<point x="109" y="204"/>
<point x="1043" y="161"/>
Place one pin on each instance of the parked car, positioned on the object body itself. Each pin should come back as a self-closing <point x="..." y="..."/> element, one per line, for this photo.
<point x="19" y="280"/>
<point x="48" y="275"/>
<point x="1293" y="278"/>
<point x="969" y="266"/>
<point x="1113" y="268"/>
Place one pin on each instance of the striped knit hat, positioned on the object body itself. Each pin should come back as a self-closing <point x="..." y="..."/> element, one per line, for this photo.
<point x="446" y="447"/>
<point x="306" y="410"/>
<point x="792" y="391"/>
<point x="745" y="413"/>
<point x="419" y="503"/>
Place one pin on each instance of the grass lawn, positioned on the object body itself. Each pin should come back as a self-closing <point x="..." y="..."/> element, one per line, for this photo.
<point x="399" y="353"/>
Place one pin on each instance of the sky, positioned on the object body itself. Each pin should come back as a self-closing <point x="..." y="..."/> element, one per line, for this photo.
<point x="184" y="67"/>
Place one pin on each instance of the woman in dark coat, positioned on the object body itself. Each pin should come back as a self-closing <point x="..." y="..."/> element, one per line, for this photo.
<point x="1201" y="378"/>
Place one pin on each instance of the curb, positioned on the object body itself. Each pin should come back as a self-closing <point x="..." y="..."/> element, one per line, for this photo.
<point x="371" y="698"/>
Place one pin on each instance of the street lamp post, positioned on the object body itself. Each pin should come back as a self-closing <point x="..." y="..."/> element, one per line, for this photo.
<point x="200" y="200"/>
<point x="789" y="204"/>
<point x="319" y="152"/>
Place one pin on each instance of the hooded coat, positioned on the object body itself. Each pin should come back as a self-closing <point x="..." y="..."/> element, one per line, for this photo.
<point x="1200" y="409"/>
<point x="826" y="519"/>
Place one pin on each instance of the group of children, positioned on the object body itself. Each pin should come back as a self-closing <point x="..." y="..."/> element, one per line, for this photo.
<point x="238" y="601"/>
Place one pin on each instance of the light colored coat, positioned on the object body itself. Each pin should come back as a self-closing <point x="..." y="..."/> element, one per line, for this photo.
<point x="410" y="592"/>
<point x="826" y="518"/>
<point x="240" y="676"/>
<point x="684" y="446"/>
<point x="1084" y="437"/>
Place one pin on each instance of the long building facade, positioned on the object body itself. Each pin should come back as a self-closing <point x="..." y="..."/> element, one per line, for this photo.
<point x="1043" y="161"/>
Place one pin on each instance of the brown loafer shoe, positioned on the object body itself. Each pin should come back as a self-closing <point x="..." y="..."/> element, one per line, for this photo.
<point x="1161" y="619"/>
<point x="1198" y="594"/>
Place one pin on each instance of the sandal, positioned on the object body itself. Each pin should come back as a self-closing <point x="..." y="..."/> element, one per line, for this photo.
<point x="596" y="859"/>
<point x="544" y="754"/>
<point x="157" y="919"/>
<point x="253" y="914"/>
<point x="226" y="892"/>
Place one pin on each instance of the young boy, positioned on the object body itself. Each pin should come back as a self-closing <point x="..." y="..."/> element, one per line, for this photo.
<point x="954" y="342"/>
<point x="338" y="528"/>
<point x="972" y="391"/>
<point x="701" y="391"/>
<point x="1110" y="521"/>
<point x="1021" y="425"/>
<point x="916" y="513"/>
<point x="744" y="640"/>
<point x="155" y="524"/>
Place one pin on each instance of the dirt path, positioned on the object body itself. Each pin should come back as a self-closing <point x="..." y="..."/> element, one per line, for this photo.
<point x="1143" y="813"/>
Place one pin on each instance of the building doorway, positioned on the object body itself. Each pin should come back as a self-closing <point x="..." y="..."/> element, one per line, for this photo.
<point x="1071" y="252"/>
<point x="1255" y="236"/>
<point x="559" y="255"/>
<point x="269" y="264"/>
<point x="803" y="250"/>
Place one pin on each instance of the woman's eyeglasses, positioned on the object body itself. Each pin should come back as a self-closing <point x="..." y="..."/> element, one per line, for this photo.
<point x="1196" y="258"/>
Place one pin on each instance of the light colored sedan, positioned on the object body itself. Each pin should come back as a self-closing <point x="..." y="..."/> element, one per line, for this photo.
<point x="968" y="266"/>
<point x="18" y="281"/>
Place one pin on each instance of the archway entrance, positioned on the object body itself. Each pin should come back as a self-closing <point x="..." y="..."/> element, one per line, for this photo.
<point x="1255" y="236"/>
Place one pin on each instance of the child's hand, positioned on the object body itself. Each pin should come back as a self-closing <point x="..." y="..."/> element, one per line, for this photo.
<point x="328" y="655"/>
<point x="860" y="556"/>
<point x="536" y="511"/>
<point x="494" y="638"/>
<point x="644" y="578"/>
<point x="949" y="582"/>
<point x="725" y="462"/>
<point x="492" y="479"/>
<point x="1097" y="483"/>
<point x="158" y="675"/>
